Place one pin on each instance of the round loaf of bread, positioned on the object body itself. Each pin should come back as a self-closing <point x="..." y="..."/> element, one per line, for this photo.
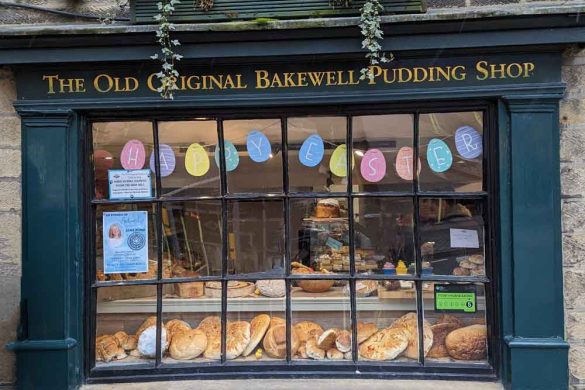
<point x="334" y="354"/>
<point x="275" y="321"/>
<point x="187" y="344"/>
<point x="128" y="342"/>
<point x="440" y="332"/>
<point x="176" y="326"/>
<point x="449" y="319"/>
<point x="468" y="343"/>
<point x="258" y="327"/>
<point x="343" y="341"/>
<point x="150" y="321"/>
<point x="275" y="342"/>
<point x="211" y="326"/>
<point x="386" y="344"/>
<point x="409" y="324"/>
<point x="147" y="342"/>
<point x="365" y="330"/>
<point x="273" y="288"/>
<point x="327" y="339"/>
<point x="307" y="330"/>
<point x="107" y="348"/>
<point x="237" y="339"/>
<point x="313" y="351"/>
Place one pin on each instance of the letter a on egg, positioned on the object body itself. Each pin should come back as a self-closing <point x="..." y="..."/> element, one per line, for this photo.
<point x="338" y="162"/>
<point x="196" y="160"/>
<point x="258" y="146"/>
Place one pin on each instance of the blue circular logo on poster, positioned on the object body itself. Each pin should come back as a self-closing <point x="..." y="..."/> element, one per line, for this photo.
<point x="312" y="151"/>
<point x="439" y="155"/>
<point x="468" y="142"/>
<point x="258" y="146"/>
<point x="136" y="241"/>
<point x="232" y="158"/>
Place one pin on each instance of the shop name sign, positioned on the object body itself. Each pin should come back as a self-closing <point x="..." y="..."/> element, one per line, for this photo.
<point x="279" y="78"/>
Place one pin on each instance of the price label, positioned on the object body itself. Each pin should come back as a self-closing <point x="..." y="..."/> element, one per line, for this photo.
<point x="455" y="298"/>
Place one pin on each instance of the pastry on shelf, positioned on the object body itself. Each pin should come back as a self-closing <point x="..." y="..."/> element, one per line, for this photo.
<point x="473" y="265"/>
<point x="258" y="328"/>
<point x="343" y="341"/>
<point x="176" y="326"/>
<point x="408" y="323"/>
<point x="308" y="330"/>
<point x="389" y="268"/>
<point x="107" y="348"/>
<point x="187" y="344"/>
<point x="386" y="344"/>
<point x="237" y="339"/>
<point x="235" y="289"/>
<point x="126" y="341"/>
<point x="275" y="342"/>
<point x="272" y="288"/>
<point x="365" y="330"/>
<point x="327" y="208"/>
<point x="468" y="343"/>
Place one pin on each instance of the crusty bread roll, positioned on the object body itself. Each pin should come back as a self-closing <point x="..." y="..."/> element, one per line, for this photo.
<point x="150" y="321"/>
<point x="128" y="342"/>
<point x="327" y="339"/>
<point x="187" y="344"/>
<point x="302" y="352"/>
<point x="308" y="329"/>
<point x="176" y="326"/>
<point x="107" y="348"/>
<point x="334" y="354"/>
<point x="273" y="288"/>
<point x="211" y="326"/>
<point x="275" y="342"/>
<point x="343" y="341"/>
<point x="147" y="342"/>
<point x="313" y="350"/>
<point x="440" y="332"/>
<point x="409" y="324"/>
<point x="258" y="327"/>
<point x="468" y="343"/>
<point x="365" y="330"/>
<point x="275" y="321"/>
<point x="449" y="319"/>
<point x="386" y="344"/>
<point x="237" y="339"/>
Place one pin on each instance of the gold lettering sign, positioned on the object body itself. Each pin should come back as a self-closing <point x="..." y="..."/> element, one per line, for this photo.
<point x="264" y="79"/>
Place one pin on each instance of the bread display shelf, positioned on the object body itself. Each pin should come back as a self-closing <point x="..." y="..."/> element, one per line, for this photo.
<point x="332" y="300"/>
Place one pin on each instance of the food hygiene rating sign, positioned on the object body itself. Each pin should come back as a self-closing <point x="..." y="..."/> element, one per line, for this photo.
<point x="456" y="298"/>
<point x="287" y="77"/>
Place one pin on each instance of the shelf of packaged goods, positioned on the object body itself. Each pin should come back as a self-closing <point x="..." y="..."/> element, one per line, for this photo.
<point x="333" y="300"/>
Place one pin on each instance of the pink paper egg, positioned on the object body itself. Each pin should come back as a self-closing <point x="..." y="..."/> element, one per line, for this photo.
<point x="133" y="155"/>
<point x="373" y="166"/>
<point x="404" y="163"/>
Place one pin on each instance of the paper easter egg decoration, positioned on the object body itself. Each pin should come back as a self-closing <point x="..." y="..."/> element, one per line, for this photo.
<point x="232" y="158"/>
<point x="258" y="145"/>
<point x="312" y="151"/>
<point x="133" y="155"/>
<point x="468" y="142"/>
<point x="373" y="166"/>
<point x="338" y="161"/>
<point x="405" y="163"/>
<point x="196" y="160"/>
<point x="166" y="160"/>
<point x="439" y="155"/>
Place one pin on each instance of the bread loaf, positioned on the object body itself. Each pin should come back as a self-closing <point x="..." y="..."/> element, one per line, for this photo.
<point x="147" y="342"/>
<point x="150" y="321"/>
<point x="175" y="326"/>
<point x="440" y="332"/>
<point x="334" y="354"/>
<point x="275" y="342"/>
<point x="327" y="339"/>
<point x="386" y="344"/>
<point x="409" y="323"/>
<point x="274" y="288"/>
<point x="187" y="344"/>
<point x="258" y="327"/>
<point x="107" y="349"/>
<point x="308" y="329"/>
<point x="343" y="341"/>
<point x="365" y="330"/>
<point x="468" y="343"/>
<point x="313" y="350"/>
<point x="127" y="342"/>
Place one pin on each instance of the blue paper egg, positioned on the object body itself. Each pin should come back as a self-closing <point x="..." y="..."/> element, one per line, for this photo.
<point x="166" y="160"/>
<point x="312" y="151"/>
<point x="468" y="142"/>
<point x="232" y="158"/>
<point x="439" y="155"/>
<point x="258" y="146"/>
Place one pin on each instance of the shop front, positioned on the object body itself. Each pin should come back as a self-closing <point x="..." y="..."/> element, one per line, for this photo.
<point x="282" y="217"/>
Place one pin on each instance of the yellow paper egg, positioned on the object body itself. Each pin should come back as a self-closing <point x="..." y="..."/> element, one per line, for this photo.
<point x="196" y="160"/>
<point x="338" y="162"/>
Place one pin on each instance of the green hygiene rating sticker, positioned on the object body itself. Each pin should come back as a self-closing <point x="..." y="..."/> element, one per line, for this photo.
<point x="456" y="298"/>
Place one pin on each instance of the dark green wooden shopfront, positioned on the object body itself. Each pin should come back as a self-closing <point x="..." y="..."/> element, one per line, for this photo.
<point x="523" y="107"/>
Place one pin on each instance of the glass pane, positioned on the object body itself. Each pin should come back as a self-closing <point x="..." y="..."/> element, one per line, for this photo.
<point x="320" y="235"/>
<point x="383" y="149"/>
<point x="315" y="145"/>
<point x="452" y="237"/>
<point x="321" y="318"/>
<point x="196" y="171"/>
<point x="258" y="144"/>
<point x="117" y="257"/>
<point x="458" y="318"/>
<point x="383" y="235"/>
<point x="120" y="146"/>
<point x="192" y="318"/>
<point x="256" y="327"/>
<point x="192" y="238"/>
<point x="451" y="149"/>
<point x="125" y="325"/>
<point x="387" y="321"/>
<point x="256" y="237"/>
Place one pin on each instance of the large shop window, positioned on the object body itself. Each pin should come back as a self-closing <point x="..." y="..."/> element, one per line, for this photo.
<point x="228" y="240"/>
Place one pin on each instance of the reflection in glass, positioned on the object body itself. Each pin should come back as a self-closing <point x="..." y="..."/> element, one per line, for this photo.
<point x="152" y="272"/>
<point x="193" y="330"/>
<point x="109" y="139"/>
<point x="312" y="142"/>
<point x="387" y="325"/>
<point x="459" y="333"/>
<point x="452" y="237"/>
<point x="392" y="136"/>
<point x="192" y="238"/>
<point x="193" y="143"/>
<point x="451" y="151"/>
<point x="119" y="329"/>
<point x="256" y="237"/>
<point x="322" y="331"/>
<point x="320" y="235"/>
<point x="383" y="235"/>
<point x="258" y="143"/>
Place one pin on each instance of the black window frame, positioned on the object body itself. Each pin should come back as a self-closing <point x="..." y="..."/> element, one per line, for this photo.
<point x="291" y="367"/>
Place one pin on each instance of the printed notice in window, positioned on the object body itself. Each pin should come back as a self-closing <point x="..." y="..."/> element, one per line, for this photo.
<point x="464" y="238"/>
<point x="125" y="242"/>
<point x="130" y="184"/>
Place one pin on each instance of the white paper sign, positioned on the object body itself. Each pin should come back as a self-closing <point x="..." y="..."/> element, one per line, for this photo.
<point x="133" y="184"/>
<point x="464" y="238"/>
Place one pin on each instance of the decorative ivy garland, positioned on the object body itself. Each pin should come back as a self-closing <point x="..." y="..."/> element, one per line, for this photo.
<point x="168" y="75"/>
<point x="372" y="32"/>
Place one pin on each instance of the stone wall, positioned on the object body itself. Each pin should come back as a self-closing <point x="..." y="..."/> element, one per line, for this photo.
<point x="10" y="222"/>
<point x="573" y="192"/>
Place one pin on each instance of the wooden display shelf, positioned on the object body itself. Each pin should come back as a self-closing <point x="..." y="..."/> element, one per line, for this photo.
<point x="332" y="300"/>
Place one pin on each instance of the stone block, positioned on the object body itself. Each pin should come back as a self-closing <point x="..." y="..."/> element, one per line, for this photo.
<point x="11" y="164"/>
<point x="577" y="362"/>
<point x="10" y="130"/>
<point x="572" y="112"/>
<point x="10" y="197"/>
<point x="573" y="180"/>
<point x="573" y="143"/>
<point x="7" y="95"/>
<point x="576" y="325"/>
<point x="10" y="238"/>
<point x="574" y="76"/>
<point x="9" y="317"/>
<point x="573" y="216"/>
<point x="574" y="288"/>
<point x="574" y="250"/>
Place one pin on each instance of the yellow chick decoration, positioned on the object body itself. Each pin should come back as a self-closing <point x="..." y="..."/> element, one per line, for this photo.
<point x="258" y="353"/>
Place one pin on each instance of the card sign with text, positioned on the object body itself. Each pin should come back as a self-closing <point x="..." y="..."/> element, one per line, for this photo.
<point x="125" y="242"/>
<point x="455" y="298"/>
<point x="464" y="238"/>
<point x="130" y="184"/>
